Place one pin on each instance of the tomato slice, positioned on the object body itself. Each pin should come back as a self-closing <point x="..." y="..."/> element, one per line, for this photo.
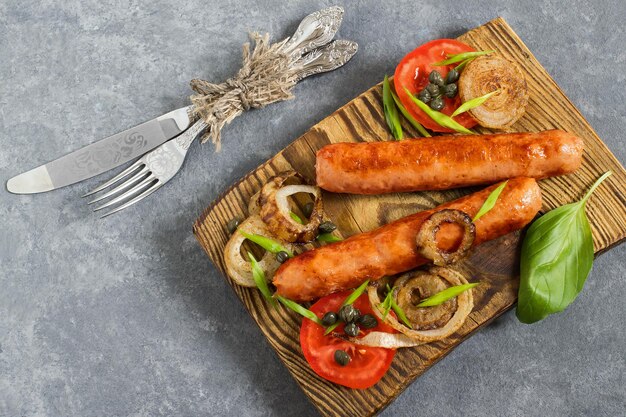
<point x="412" y="73"/>
<point x="367" y="365"/>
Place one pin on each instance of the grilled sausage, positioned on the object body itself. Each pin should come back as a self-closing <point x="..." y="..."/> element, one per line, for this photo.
<point x="392" y="249"/>
<point x="445" y="162"/>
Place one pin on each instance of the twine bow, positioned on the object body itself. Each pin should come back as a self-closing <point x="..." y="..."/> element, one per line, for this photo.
<point x="265" y="77"/>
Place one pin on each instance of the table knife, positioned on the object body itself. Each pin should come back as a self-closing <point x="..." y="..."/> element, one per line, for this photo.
<point x="103" y="155"/>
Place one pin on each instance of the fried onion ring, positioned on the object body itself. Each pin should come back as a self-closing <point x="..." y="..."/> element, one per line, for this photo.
<point x="426" y="239"/>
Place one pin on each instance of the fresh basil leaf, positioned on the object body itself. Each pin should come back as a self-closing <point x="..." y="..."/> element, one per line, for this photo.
<point x="445" y="295"/>
<point x="417" y="125"/>
<point x="259" y="279"/>
<point x="557" y="255"/>
<point x="490" y="202"/>
<point x="304" y="312"/>
<point x="266" y="243"/>
<point x="328" y="237"/>
<point x="454" y="58"/>
<point x="438" y="117"/>
<point x="295" y="217"/>
<point x="472" y="104"/>
<point x="391" y="111"/>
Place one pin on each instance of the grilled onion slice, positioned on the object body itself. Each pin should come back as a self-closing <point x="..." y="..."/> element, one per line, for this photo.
<point x="426" y="239"/>
<point x="489" y="73"/>
<point x="239" y="268"/>
<point x="464" y="305"/>
<point x="275" y="209"/>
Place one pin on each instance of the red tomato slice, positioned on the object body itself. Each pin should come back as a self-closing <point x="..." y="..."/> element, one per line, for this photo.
<point x="412" y="73"/>
<point x="367" y="365"/>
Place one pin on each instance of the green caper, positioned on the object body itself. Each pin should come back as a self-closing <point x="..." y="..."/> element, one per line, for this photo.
<point x="367" y="321"/>
<point x="282" y="256"/>
<point x="351" y="329"/>
<point x="232" y="225"/>
<point x="452" y="76"/>
<point x="307" y="210"/>
<point x="342" y="358"/>
<point x="450" y="90"/>
<point x="433" y="89"/>
<point x="437" y="104"/>
<point x="436" y="78"/>
<point x="348" y="313"/>
<point x="424" y="95"/>
<point x="327" y="227"/>
<point x="329" y="318"/>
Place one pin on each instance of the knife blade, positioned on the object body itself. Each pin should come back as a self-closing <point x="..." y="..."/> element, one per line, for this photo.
<point x="103" y="155"/>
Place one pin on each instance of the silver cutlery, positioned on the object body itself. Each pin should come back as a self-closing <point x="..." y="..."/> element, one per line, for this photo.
<point x="315" y="30"/>
<point x="157" y="167"/>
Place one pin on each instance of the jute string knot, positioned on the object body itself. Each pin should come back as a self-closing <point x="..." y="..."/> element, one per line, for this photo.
<point x="265" y="77"/>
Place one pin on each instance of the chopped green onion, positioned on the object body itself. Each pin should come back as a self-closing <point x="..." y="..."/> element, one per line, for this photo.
<point x="441" y="119"/>
<point x="328" y="237"/>
<point x="443" y="296"/>
<point x="389" y="303"/>
<point x="385" y="306"/>
<point x="454" y="58"/>
<point x="462" y="65"/>
<point x="259" y="279"/>
<point x="266" y="243"/>
<point x="400" y="313"/>
<point x="490" y="202"/>
<point x="473" y="103"/>
<point x="295" y="217"/>
<point x="349" y="300"/>
<point x="417" y="125"/>
<point x="304" y="312"/>
<point x="391" y="112"/>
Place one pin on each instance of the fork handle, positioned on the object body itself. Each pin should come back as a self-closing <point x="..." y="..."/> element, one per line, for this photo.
<point x="185" y="139"/>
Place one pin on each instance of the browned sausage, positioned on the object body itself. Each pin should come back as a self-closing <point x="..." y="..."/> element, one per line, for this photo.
<point x="392" y="249"/>
<point x="445" y="162"/>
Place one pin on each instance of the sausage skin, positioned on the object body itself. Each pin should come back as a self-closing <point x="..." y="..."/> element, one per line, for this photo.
<point x="445" y="162"/>
<point x="392" y="249"/>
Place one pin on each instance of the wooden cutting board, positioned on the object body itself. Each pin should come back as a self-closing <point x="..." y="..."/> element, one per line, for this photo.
<point x="495" y="263"/>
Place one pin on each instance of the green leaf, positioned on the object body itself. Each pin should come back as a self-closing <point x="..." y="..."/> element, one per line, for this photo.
<point x="438" y="117"/>
<point x="259" y="279"/>
<point x="490" y="202"/>
<point x="417" y="125"/>
<point x="304" y="312"/>
<point x="445" y="295"/>
<point x="328" y="237"/>
<point x="391" y="111"/>
<point x="473" y="103"/>
<point x="295" y="217"/>
<point x="266" y="243"/>
<point x="454" y="58"/>
<point x="557" y="255"/>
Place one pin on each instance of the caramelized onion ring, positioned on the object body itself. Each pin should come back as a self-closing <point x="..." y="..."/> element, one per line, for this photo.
<point x="427" y="237"/>
<point x="465" y="304"/>
<point x="275" y="209"/>
<point x="239" y="269"/>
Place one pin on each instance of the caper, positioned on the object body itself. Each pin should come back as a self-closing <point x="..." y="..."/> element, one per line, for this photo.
<point x="433" y="89"/>
<point x="232" y="225"/>
<point x="351" y="329"/>
<point x="329" y="318"/>
<point x="327" y="227"/>
<point x="450" y="90"/>
<point x="452" y="76"/>
<point x="348" y="313"/>
<point x="307" y="210"/>
<point x="282" y="256"/>
<point x="342" y="358"/>
<point x="437" y="104"/>
<point x="436" y="78"/>
<point x="424" y="95"/>
<point x="367" y="321"/>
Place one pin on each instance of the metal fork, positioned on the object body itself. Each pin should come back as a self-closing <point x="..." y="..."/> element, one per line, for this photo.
<point x="157" y="167"/>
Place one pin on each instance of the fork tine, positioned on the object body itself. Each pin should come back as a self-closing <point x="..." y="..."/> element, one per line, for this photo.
<point x="141" y="196"/>
<point x="130" y="193"/>
<point x="116" y="178"/>
<point x="124" y="185"/>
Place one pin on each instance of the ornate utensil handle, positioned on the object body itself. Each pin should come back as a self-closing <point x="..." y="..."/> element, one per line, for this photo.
<point x="315" y="30"/>
<point x="327" y="58"/>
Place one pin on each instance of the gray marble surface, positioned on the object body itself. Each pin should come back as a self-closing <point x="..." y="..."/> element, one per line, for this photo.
<point x="127" y="317"/>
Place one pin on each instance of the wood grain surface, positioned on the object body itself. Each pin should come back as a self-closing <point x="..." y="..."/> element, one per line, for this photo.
<point x="494" y="263"/>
